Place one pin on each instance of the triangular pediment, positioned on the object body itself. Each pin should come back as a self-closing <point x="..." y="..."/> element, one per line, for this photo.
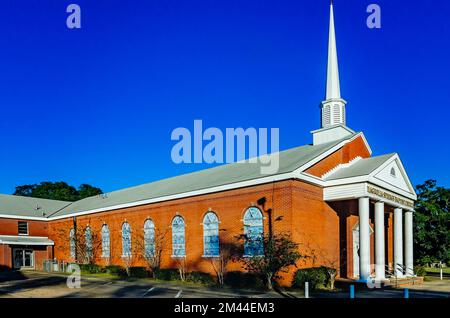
<point x="393" y="173"/>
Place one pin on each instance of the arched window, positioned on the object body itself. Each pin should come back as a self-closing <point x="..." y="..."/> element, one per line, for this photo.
<point x="149" y="238"/>
<point x="105" y="241"/>
<point x="178" y="237"/>
<point x="210" y="234"/>
<point x="126" y="240"/>
<point x="88" y="243"/>
<point x="72" y="243"/>
<point x="253" y="231"/>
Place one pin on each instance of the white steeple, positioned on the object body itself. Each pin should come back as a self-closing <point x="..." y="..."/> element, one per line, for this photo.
<point x="333" y="107"/>
<point x="333" y="126"/>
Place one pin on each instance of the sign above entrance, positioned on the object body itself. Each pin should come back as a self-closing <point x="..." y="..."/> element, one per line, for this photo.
<point x="389" y="196"/>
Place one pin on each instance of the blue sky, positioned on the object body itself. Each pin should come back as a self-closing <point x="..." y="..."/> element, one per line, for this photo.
<point x="97" y="105"/>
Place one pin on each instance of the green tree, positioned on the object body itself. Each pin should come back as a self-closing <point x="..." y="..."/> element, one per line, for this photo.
<point x="432" y="223"/>
<point x="280" y="252"/>
<point x="57" y="191"/>
<point x="86" y="190"/>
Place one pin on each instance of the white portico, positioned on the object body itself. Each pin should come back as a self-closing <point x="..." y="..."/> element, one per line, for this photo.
<point x="380" y="185"/>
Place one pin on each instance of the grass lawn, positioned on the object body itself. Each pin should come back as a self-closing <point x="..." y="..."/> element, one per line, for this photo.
<point x="445" y="270"/>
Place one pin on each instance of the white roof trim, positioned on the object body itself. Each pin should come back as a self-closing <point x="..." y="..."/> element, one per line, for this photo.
<point x="341" y="166"/>
<point x="21" y="217"/>
<point x="4" y="240"/>
<point x="372" y="179"/>
<point x="395" y="157"/>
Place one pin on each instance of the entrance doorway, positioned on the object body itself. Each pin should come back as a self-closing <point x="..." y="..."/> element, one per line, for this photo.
<point x="23" y="258"/>
<point x="356" y="249"/>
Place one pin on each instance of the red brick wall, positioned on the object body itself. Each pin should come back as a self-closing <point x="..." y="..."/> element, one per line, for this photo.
<point x="5" y="257"/>
<point x="298" y="207"/>
<point x="35" y="228"/>
<point x="229" y="206"/>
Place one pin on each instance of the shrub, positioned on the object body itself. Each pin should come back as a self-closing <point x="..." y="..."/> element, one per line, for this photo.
<point x="138" y="272"/>
<point x="115" y="270"/>
<point x="243" y="280"/>
<point x="167" y="274"/>
<point x="420" y="271"/>
<point x="316" y="277"/>
<point x="90" y="268"/>
<point x="200" y="278"/>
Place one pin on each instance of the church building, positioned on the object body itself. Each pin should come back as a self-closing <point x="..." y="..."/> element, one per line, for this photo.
<point x="344" y="207"/>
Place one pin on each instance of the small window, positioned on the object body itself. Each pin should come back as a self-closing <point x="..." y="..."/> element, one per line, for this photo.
<point x="23" y="228"/>
<point x="393" y="172"/>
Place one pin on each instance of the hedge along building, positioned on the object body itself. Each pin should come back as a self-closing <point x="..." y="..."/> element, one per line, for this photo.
<point x="345" y="208"/>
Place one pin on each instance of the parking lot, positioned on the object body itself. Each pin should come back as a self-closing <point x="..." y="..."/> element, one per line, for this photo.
<point x="43" y="285"/>
<point x="36" y="284"/>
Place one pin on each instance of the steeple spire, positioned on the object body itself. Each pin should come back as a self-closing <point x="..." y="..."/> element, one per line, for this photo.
<point x="333" y="107"/>
<point x="333" y="87"/>
<point x="333" y="125"/>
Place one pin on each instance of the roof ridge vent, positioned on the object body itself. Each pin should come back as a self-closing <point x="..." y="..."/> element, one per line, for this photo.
<point x="341" y="166"/>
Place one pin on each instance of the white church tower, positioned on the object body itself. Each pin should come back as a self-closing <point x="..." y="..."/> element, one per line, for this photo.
<point x="333" y="122"/>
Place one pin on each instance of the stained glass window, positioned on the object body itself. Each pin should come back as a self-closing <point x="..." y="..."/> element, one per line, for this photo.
<point x="88" y="243"/>
<point x="178" y="237"/>
<point x="126" y="240"/>
<point x="253" y="231"/>
<point x="72" y="243"/>
<point x="149" y="238"/>
<point x="210" y="235"/>
<point x="105" y="241"/>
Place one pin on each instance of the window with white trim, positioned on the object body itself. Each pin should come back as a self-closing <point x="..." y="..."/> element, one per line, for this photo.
<point x="178" y="237"/>
<point x="126" y="240"/>
<point x="253" y="232"/>
<point x="72" y="243"/>
<point x="210" y="235"/>
<point x="105" y="241"/>
<point x="22" y="228"/>
<point x="88" y="244"/>
<point x="149" y="238"/>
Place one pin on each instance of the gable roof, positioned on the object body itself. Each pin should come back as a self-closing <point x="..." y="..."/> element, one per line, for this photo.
<point x="289" y="160"/>
<point x="377" y="171"/>
<point x="360" y="168"/>
<point x="29" y="207"/>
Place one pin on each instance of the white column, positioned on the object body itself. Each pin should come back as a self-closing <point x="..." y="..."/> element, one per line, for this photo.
<point x="364" y="239"/>
<point x="398" y="242"/>
<point x="379" y="241"/>
<point x="409" y="261"/>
